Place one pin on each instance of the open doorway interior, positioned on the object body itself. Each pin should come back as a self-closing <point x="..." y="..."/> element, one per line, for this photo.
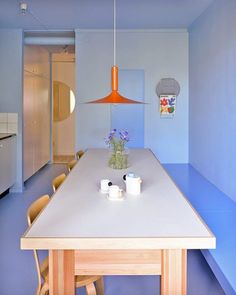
<point x="49" y="59"/>
<point x="63" y="103"/>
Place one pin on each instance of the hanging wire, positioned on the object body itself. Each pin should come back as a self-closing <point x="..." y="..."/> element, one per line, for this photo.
<point x="24" y="9"/>
<point x="37" y="19"/>
<point x="114" y="97"/>
<point x="114" y="41"/>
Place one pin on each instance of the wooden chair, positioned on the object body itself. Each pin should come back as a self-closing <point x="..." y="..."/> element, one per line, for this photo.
<point x="57" y="181"/>
<point x="42" y="269"/>
<point x="79" y="154"/>
<point x="71" y="165"/>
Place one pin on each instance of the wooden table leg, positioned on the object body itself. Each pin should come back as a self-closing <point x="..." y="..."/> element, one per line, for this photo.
<point x="100" y="286"/>
<point x="174" y="272"/>
<point x="61" y="272"/>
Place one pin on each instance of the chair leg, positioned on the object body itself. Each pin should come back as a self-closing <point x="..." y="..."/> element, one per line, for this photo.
<point x="44" y="290"/>
<point x="38" y="291"/>
<point x="100" y="286"/>
<point x="90" y="289"/>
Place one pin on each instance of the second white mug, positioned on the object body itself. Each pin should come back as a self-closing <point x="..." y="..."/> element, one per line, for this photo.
<point x="114" y="192"/>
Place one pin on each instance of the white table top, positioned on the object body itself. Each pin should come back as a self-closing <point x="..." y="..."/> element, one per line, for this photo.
<point x="80" y="217"/>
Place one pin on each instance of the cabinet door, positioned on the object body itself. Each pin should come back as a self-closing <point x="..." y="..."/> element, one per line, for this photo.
<point x="42" y="126"/>
<point x="7" y="163"/>
<point x="36" y="109"/>
<point x="45" y="122"/>
<point x="37" y="124"/>
<point x="29" y="123"/>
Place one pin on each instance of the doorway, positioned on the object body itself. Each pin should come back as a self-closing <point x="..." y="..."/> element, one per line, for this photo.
<point x="63" y="105"/>
<point x="48" y="57"/>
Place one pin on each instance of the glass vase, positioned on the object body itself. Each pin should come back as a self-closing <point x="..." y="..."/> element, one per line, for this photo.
<point x="118" y="159"/>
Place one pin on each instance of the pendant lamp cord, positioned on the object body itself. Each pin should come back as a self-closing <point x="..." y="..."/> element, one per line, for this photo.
<point x="114" y="32"/>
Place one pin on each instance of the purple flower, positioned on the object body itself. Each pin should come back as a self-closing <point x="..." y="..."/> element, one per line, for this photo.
<point x="107" y="140"/>
<point x="111" y="139"/>
<point x="124" y="135"/>
<point x="112" y="134"/>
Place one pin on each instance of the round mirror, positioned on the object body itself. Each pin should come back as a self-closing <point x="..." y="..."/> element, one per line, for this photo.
<point x="63" y="101"/>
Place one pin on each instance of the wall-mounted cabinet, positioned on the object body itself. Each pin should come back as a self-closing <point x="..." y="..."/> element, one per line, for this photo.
<point x="36" y="112"/>
<point x="8" y="162"/>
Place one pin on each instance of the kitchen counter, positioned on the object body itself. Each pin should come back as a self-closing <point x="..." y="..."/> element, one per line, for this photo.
<point x="6" y="135"/>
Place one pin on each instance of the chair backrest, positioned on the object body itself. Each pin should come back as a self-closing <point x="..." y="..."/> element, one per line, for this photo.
<point x="57" y="181"/>
<point x="36" y="207"/>
<point x="79" y="154"/>
<point x="71" y="165"/>
<point x="33" y="211"/>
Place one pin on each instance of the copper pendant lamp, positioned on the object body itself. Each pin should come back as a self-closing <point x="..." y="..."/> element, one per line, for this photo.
<point x="114" y="97"/>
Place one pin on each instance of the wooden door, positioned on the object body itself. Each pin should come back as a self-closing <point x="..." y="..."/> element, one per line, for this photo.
<point x="29" y="122"/>
<point x="42" y="126"/>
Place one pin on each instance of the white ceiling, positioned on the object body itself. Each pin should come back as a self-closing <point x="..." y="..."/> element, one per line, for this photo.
<point x="98" y="14"/>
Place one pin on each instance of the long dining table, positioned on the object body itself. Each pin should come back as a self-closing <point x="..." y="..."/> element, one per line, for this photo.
<point x="87" y="234"/>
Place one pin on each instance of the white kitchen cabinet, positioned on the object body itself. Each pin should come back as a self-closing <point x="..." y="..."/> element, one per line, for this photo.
<point x="7" y="163"/>
<point x="36" y="117"/>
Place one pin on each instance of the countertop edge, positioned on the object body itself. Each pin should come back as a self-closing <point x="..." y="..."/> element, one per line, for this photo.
<point x="6" y="135"/>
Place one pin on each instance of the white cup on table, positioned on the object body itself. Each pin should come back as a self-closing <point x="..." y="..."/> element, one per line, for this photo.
<point x="104" y="185"/>
<point x="115" y="192"/>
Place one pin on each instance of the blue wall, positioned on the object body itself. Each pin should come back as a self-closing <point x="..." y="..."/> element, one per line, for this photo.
<point x="212" y="119"/>
<point x="160" y="54"/>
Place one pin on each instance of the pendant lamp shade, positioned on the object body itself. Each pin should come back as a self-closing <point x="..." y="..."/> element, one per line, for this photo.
<point x="114" y="96"/>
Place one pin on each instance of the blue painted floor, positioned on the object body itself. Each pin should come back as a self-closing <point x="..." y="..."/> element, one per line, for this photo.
<point x="17" y="267"/>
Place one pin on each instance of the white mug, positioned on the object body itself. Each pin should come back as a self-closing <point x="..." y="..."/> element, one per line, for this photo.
<point x="104" y="185"/>
<point x="114" y="192"/>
